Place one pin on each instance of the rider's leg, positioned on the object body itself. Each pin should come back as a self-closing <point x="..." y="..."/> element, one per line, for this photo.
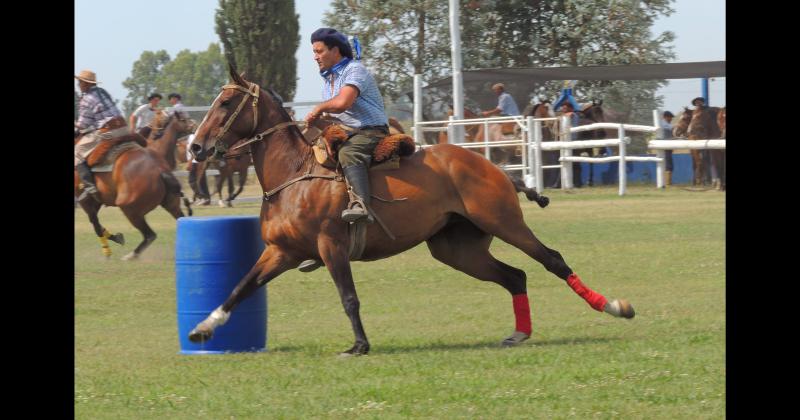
<point x="355" y="157"/>
<point x="87" y="179"/>
<point x="82" y="149"/>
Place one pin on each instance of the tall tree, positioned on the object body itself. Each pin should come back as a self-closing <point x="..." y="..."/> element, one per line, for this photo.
<point x="142" y="81"/>
<point x="260" y="37"/>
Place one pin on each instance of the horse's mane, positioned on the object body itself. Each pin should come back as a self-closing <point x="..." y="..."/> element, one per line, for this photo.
<point x="282" y="111"/>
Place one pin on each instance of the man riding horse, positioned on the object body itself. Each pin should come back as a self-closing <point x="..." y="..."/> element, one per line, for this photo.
<point x="351" y="95"/>
<point x="98" y="120"/>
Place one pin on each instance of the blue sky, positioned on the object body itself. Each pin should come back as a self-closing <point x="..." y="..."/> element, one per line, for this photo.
<point x="111" y="34"/>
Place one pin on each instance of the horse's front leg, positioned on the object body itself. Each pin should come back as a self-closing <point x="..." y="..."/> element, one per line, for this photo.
<point x="336" y="259"/>
<point x="271" y="264"/>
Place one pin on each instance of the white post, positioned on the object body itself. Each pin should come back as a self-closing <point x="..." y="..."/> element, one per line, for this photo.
<point x="660" y="168"/>
<point x="455" y="57"/>
<point x="623" y="178"/>
<point x="451" y="131"/>
<point x="486" y="153"/>
<point x="418" y="133"/>
<point x="524" y="156"/>
<point x="566" y="167"/>
<point x="655" y="119"/>
<point x="537" y="154"/>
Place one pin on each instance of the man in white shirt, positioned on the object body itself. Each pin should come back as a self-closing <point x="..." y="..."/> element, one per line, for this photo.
<point x="177" y="106"/>
<point x="141" y="118"/>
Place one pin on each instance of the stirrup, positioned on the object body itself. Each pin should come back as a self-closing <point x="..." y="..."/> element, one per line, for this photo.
<point x="356" y="212"/>
<point x="308" y="266"/>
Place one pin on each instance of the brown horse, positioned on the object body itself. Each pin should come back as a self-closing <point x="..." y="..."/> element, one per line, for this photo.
<point x="703" y="126"/>
<point x="164" y="134"/>
<point x="454" y="200"/>
<point x="139" y="181"/>
<point x="238" y="163"/>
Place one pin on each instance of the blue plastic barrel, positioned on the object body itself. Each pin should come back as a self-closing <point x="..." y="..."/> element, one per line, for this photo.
<point x="211" y="255"/>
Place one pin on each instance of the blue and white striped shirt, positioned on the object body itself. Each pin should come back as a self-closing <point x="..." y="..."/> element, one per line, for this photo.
<point x="96" y="108"/>
<point x="507" y="105"/>
<point x="368" y="107"/>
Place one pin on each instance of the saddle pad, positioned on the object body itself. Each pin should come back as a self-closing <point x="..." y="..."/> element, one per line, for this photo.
<point x="109" y="157"/>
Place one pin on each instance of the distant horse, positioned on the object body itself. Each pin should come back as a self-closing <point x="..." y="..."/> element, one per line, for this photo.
<point x="238" y="163"/>
<point x="722" y="122"/>
<point x="455" y="200"/>
<point x="704" y="126"/>
<point x="550" y="130"/>
<point x="164" y="134"/>
<point x="139" y="181"/>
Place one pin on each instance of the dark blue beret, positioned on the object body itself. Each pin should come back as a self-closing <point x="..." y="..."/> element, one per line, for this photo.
<point x="333" y="38"/>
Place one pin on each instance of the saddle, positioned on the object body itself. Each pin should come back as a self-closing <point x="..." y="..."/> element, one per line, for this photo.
<point x="387" y="154"/>
<point x="102" y="158"/>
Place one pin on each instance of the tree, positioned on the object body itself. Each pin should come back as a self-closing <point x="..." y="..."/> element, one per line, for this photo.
<point x="142" y="81"/>
<point x="196" y="76"/>
<point x="512" y="33"/>
<point x="260" y="38"/>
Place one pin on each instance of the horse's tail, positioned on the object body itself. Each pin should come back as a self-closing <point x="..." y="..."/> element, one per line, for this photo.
<point x="530" y="193"/>
<point x="173" y="186"/>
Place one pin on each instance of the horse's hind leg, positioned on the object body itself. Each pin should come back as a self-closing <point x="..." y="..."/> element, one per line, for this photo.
<point x="463" y="246"/>
<point x="503" y="220"/>
<point x="270" y="264"/>
<point x="137" y="220"/>
<point x="92" y="207"/>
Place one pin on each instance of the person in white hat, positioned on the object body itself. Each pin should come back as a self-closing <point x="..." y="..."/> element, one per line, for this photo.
<point x="98" y="120"/>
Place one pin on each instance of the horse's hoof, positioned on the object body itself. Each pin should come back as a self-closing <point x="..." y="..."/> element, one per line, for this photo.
<point x="228" y="203"/>
<point x="356" y="350"/>
<point x="543" y="201"/>
<point x="200" y="335"/>
<point x="118" y="238"/>
<point x="308" y="266"/>
<point x="515" y="339"/>
<point x="221" y="204"/>
<point x="129" y="257"/>
<point x="620" y="308"/>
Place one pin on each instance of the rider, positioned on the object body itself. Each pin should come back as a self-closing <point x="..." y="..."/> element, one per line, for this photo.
<point x="699" y="102"/>
<point x="506" y="105"/>
<point x="351" y="95"/>
<point x="98" y="120"/>
<point x="177" y="105"/>
<point x="141" y="118"/>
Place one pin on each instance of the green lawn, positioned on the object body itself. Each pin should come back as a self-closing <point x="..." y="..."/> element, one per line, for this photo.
<point x="434" y="332"/>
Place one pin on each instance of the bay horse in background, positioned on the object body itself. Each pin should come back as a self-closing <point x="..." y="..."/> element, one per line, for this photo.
<point x="454" y="200"/>
<point x="137" y="181"/>
<point x="704" y="125"/>
<point x="164" y="134"/>
<point x="235" y="164"/>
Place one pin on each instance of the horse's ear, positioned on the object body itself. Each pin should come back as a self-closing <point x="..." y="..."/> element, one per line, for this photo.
<point x="235" y="77"/>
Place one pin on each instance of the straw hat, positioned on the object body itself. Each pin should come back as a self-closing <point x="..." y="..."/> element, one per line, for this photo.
<point x="87" y="76"/>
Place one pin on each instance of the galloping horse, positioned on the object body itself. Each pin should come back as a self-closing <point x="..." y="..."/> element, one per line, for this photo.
<point x="455" y="200"/>
<point x="138" y="182"/>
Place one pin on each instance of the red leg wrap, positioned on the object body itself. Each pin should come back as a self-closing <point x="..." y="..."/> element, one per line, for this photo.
<point x="596" y="300"/>
<point x="522" y="313"/>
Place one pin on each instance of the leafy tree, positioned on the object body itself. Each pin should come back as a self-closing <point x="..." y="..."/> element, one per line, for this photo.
<point x="143" y="79"/>
<point x="260" y="38"/>
<point x="196" y="76"/>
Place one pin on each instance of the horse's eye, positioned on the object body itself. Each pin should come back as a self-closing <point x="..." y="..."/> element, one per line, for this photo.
<point x="225" y="102"/>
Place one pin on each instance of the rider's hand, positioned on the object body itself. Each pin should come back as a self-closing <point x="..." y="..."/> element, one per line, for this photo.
<point x="311" y="116"/>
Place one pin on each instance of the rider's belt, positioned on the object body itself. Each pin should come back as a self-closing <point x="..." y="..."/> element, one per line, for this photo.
<point x="113" y="124"/>
<point x="384" y="128"/>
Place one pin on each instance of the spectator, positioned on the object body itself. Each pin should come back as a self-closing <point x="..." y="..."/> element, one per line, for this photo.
<point x="200" y="189"/>
<point x="141" y="118"/>
<point x="665" y="133"/>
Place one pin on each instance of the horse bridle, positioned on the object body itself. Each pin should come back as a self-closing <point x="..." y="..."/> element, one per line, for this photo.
<point x="220" y="147"/>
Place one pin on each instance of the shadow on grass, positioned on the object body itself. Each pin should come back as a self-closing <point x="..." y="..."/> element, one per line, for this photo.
<point x="447" y="346"/>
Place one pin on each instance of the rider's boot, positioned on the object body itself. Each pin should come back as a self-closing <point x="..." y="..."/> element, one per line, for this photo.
<point x="358" y="178"/>
<point x="87" y="179"/>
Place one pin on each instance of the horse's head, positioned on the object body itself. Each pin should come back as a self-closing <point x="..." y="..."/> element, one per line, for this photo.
<point x="181" y="123"/>
<point x="594" y="111"/>
<point x="680" y="128"/>
<point x="233" y="116"/>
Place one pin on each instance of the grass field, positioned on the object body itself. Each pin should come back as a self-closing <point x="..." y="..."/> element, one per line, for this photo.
<point x="435" y="332"/>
